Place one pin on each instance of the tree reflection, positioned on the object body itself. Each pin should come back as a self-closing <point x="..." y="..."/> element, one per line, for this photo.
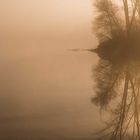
<point x="117" y="75"/>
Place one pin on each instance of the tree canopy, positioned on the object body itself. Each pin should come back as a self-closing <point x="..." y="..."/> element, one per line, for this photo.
<point x="117" y="75"/>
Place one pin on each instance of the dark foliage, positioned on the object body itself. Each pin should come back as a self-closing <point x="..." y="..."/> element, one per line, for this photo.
<point x="118" y="73"/>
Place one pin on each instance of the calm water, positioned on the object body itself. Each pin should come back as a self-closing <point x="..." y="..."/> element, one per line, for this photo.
<point x="45" y="93"/>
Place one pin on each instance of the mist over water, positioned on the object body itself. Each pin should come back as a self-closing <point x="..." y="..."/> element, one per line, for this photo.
<point x="45" y="89"/>
<point x="46" y="94"/>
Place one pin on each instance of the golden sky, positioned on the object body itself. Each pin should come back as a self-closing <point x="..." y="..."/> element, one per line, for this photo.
<point x="44" y="14"/>
<point x="64" y="23"/>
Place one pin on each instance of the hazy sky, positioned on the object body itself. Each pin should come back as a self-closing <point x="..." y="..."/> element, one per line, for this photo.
<point x="44" y="14"/>
<point x="63" y="24"/>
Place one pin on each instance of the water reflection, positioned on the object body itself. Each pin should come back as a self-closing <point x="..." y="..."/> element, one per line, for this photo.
<point x="45" y="94"/>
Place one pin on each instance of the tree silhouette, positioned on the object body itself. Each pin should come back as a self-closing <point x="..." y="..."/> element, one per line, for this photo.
<point x="117" y="75"/>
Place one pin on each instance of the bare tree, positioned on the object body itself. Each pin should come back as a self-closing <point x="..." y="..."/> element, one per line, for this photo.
<point x="117" y="75"/>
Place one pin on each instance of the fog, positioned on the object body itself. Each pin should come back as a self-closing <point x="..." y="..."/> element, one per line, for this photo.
<point x="46" y="88"/>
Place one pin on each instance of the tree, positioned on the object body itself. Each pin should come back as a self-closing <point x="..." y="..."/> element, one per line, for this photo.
<point x="118" y="72"/>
